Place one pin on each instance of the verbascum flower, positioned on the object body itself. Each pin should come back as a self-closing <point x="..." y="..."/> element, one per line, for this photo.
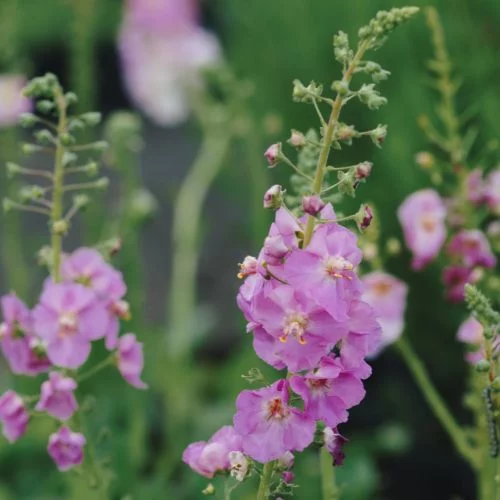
<point x="66" y="448"/>
<point x="13" y="103"/>
<point x="57" y="397"/>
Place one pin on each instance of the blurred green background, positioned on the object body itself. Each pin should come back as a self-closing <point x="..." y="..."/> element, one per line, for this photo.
<point x="397" y="449"/>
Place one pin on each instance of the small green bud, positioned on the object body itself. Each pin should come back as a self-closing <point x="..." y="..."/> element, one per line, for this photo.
<point x="254" y="376"/>
<point x="91" y="118"/>
<point x="297" y="139"/>
<point x="44" y="137"/>
<point x="29" y="149"/>
<point x="92" y="168"/>
<point x="102" y="183"/>
<point x="489" y="332"/>
<point x="142" y="205"/>
<point x="100" y="146"/>
<point x="7" y="205"/>
<point x="71" y="98"/>
<point x="60" y="227"/>
<point x="482" y="366"/>
<point x="393" y="246"/>
<point x="27" y="120"/>
<point x="81" y="200"/>
<point x="341" y="87"/>
<point x="345" y="133"/>
<point x="425" y="160"/>
<point x="209" y="490"/>
<point x="67" y="139"/>
<point x="75" y="125"/>
<point x="495" y="385"/>
<point x="50" y="79"/>
<point x="69" y="158"/>
<point x="347" y="181"/>
<point x="378" y="135"/>
<point x="28" y="193"/>
<point x="371" y="97"/>
<point x="45" y="106"/>
<point x="12" y="169"/>
<point x="341" y="49"/>
<point x="299" y="91"/>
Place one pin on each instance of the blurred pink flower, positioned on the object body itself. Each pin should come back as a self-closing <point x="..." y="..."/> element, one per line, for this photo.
<point x="131" y="360"/>
<point x="57" y="396"/>
<point x="13" y="103"/>
<point x="66" y="448"/>
<point x="13" y="415"/>
<point x="471" y="332"/>
<point x="473" y="248"/>
<point x="422" y="216"/>
<point x="492" y="191"/>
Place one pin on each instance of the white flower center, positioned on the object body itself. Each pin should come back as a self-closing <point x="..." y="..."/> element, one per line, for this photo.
<point x="336" y="267"/>
<point x="295" y="326"/>
<point x="68" y="323"/>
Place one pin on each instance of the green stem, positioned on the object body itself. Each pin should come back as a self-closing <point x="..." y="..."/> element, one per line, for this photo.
<point x="265" y="481"/>
<point x="435" y="401"/>
<point x="328" y="139"/>
<point x="328" y="484"/>
<point x="58" y="188"/>
<point x="97" y="368"/>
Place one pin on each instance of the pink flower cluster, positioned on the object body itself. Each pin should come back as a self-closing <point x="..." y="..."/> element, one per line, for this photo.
<point x="163" y="50"/>
<point x="87" y="305"/>
<point x="424" y="217"/>
<point x="305" y="310"/>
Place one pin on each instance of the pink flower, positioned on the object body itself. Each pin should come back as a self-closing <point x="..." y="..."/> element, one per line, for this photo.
<point x="387" y="295"/>
<point x="471" y="332"/>
<point x="334" y="442"/>
<point x="13" y="415"/>
<point x="363" y="170"/>
<point x="87" y="267"/>
<point x="327" y="267"/>
<point x="269" y="427"/>
<point x="473" y="248"/>
<point x="68" y="318"/>
<point x="21" y="350"/>
<point x="66" y="448"/>
<point x="57" y="397"/>
<point x="365" y="217"/>
<point x="422" y="217"/>
<point x="208" y="458"/>
<point x="163" y="54"/>
<point x="273" y="153"/>
<point x="328" y="392"/>
<point x="131" y="360"/>
<point x="14" y="104"/>
<point x="272" y="197"/>
<point x="455" y="278"/>
<point x="275" y="250"/>
<point x="299" y="330"/>
<point x="475" y="186"/>
<point x="492" y="191"/>
<point x="312" y="204"/>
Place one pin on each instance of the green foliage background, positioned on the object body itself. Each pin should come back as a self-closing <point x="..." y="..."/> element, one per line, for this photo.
<point x="397" y="449"/>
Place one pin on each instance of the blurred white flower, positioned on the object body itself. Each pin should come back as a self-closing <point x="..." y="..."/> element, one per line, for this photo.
<point x="12" y="103"/>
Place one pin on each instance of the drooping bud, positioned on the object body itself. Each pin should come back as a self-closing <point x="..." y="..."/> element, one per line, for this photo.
<point x="297" y="139"/>
<point x="273" y="154"/>
<point x="273" y="197"/>
<point x="364" y="217"/>
<point x="312" y="204"/>
<point x="378" y="135"/>
<point x="363" y="170"/>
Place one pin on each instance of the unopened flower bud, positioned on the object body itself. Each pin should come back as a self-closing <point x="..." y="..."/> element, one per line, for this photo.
<point x="482" y="366"/>
<point x="12" y="169"/>
<point x="91" y="118"/>
<point x="60" y="227"/>
<point x="364" y="217"/>
<point x="102" y="183"/>
<point x="312" y="204"/>
<point x="27" y="120"/>
<point x="239" y="465"/>
<point x="378" y="135"/>
<point x="370" y="252"/>
<point x="143" y="205"/>
<point x="363" y="170"/>
<point x="81" y="200"/>
<point x="7" y="205"/>
<point x="273" y="154"/>
<point x="299" y="90"/>
<point x="45" y="106"/>
<point x="29" y="149"/>
<point x="288" y="476"/>
<point x="341" y="87"/>
<point x="495" y="385"/>
<point x="67" y="139"/>
<point x="425" y="159"/>
<point x="286" y="460"/>
<point x="345" y="133"/>
<point x="44" y="137"/>
<point x="100" y="146"/>
<point x="393" y="246"/>
<point x="75" y="125"/>
<point x="297" y="139"/>
<point x="273" y="197"/>
<point x="209" y="490"/>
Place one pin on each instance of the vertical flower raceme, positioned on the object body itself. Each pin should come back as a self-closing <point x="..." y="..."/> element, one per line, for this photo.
<point x="163" y="51"/>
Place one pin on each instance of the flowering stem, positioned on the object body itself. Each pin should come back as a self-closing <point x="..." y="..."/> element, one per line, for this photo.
<point x="328" y="485"/>
<point x="58" y="187"/>
<point x="265" y="481"/>
<point x="97" y="368"/>
<point x="435" y="401"/>
<point x="329" y="135"/>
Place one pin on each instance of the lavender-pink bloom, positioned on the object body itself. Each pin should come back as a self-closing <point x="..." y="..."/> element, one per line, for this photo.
<point x="422" y="216"/>
<point x="131" y="360"/>
<point x="312" y="204"/>
<point x="328" y="392"/>
<point x="68" y="318"/>
<point x="57" y="396"/>
<point x="492" y="191"/>
<point x="334" y="442"/>
<point x="66" y="448"/>
<point x="455" y="278"/>
<point x="207" y="458"/>
<point x="21" y="350"/>
<point x="269" y="426"/>
<point x="13" y="416"/>
<point x="13" y="103"/>
<point x="475" y="187"/>
<point x="303" y="330"/>
<point x="387" y="296"/>
<point x="275" y="250"/>
<point x="472" y="247"/>
<point x="327" y="266"/>
<point x="471" y="332"/>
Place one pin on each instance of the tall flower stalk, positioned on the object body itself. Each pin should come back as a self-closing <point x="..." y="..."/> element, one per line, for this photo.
<point x="301" y="296"/>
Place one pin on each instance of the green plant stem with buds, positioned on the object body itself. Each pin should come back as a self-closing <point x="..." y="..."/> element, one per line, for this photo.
<point x="329" y="135"/>
<point x="265" y="481"/>
<point x="435" y="401"/>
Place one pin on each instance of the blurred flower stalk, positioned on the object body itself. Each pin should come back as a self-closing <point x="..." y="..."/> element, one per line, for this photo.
<point x="301" y="295"/>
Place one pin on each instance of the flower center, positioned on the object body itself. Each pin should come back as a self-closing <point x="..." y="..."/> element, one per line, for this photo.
<point x="319" y="384"/>
<point x="336" y="267"/>
<point x="67" y="324"/>
<point x="84" y="280"/>
<point x="295" y="326"/>
<point x="428" y="223"/>
<point x="276" y="409"/>
<point x="247" y="267"/>
<point x="382" y="288"/>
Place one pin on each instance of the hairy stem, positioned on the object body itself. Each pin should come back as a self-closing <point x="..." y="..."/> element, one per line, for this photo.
<point x="329" y="136"/>
<point x="328" y="484"/>
<point x="58" y="188"/>
<point x="265" y="481"/>
<point x="435" y="401"/>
